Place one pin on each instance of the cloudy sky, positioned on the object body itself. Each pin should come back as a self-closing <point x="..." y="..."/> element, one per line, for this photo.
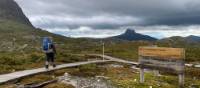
<point x="103" y="18"/>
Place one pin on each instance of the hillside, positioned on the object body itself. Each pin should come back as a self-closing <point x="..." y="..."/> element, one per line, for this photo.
<point x="178" y="41"/>
<point x="192" y="39"/>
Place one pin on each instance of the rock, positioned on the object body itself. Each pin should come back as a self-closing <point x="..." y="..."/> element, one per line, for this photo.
<point x="66" y="74"/>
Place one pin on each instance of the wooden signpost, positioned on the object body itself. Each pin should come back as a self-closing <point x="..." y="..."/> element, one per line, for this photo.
<point x="162" y="59"/>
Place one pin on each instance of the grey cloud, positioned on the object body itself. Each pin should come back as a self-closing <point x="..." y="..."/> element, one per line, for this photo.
<point x="95" y="22"/>
<point x="153" y="12"/>
<point x="111" y="14"/>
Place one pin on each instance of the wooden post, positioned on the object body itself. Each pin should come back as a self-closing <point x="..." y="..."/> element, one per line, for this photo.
<point x="181" y="80"/>
<point x="141" y="75"/>
<point x="103" y="50"/>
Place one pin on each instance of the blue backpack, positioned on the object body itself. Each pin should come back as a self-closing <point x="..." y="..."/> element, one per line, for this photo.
<point x="46" y="43"/>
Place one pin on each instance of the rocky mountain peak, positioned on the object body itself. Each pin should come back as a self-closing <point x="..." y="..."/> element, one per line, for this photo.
<point x="10" y="10"/>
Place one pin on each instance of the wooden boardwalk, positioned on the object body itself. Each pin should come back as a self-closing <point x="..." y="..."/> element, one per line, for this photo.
<point x="16" y="75"/>
<point x="115" y="59"/>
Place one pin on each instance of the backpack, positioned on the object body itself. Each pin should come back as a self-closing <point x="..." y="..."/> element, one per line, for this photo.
<point x="47" y="42"/>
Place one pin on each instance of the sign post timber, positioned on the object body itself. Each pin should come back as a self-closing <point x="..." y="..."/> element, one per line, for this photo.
<point x="162" y="59"/>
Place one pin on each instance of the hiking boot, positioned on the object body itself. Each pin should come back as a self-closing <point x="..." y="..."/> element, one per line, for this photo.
<point x="54" y="65"/>
<point x="47" y="66"/>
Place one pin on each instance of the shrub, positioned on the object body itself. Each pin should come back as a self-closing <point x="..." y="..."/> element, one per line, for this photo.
<point x="35" y="58"/>
<point x="6" y="60"/>
<point x="87" y="70"/>
<point x="88" y="67"/>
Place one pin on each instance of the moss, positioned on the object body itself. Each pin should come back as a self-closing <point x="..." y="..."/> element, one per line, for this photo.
<point x="8" y="86"/>
<point x="59" y="85"/>
<point x="36" y="79"/>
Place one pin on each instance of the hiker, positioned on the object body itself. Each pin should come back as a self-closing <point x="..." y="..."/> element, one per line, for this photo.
<point x="50" y="51"/>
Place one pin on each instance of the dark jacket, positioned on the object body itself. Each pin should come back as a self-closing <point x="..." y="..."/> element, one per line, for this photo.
<point x="53" y="49"/>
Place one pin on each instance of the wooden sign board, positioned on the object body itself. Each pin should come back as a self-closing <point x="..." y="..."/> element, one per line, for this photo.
<point x="162" y="52"/>
<point x="162" y="58"/>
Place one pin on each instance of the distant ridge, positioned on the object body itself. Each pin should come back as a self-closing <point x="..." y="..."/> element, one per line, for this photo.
<point x="131" y="35"/>
<point x="188" y="39"/>
<point x="192" y="38"/>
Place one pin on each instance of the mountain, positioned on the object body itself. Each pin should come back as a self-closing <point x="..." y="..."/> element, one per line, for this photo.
<point x="178" y="41"/>
<point x="16" y="31"/>
<point x="10" y="10"/>
<point x="188" y="39"/>
<point x="193" y="39"/>
<point x="131" y="35"/>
